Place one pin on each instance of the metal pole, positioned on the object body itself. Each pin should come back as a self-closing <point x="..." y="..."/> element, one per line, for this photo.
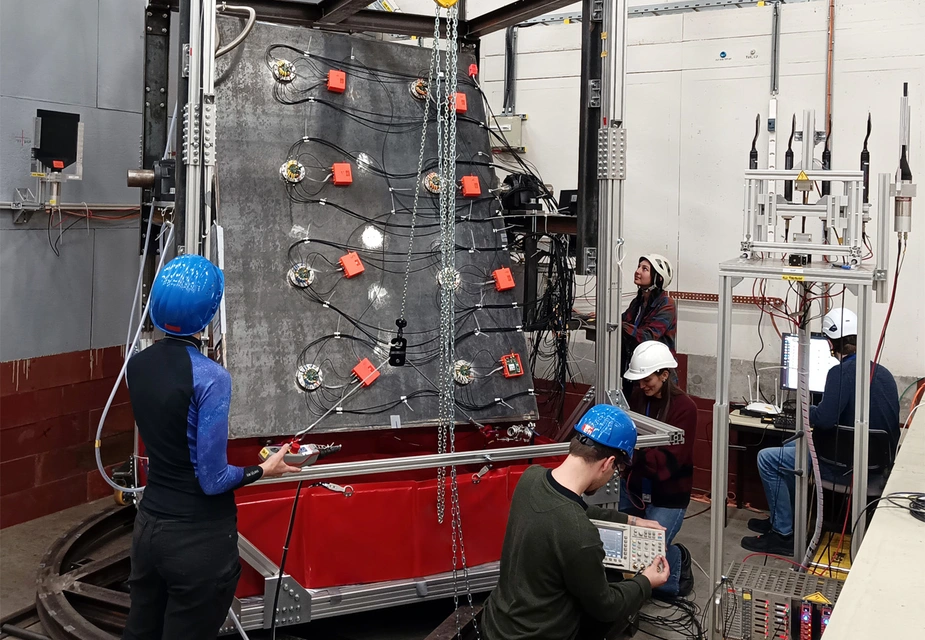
<point x="720" y="449"/>
<point x="589" y="125"/>
<point x="861" y="416"/>
<point x="183" y="41"/>
<point x="801" y="492"/>
<point x="881" y="285"/>
<point x="610" y="217"/>
<point x="199" y="123"/>
<point x="809" y="139"/>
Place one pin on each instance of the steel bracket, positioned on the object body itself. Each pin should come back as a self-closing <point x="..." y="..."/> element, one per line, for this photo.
<point x="193" y="136"/>
<point x="594" y="94"/>
<point x="597" y="11"/>
<point x="293" y="605"/>
<point x="611" y="153"/>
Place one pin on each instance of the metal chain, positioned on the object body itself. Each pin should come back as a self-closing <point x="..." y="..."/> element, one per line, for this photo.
<point x="435" y="90"/>
<point x="417" y="181"/>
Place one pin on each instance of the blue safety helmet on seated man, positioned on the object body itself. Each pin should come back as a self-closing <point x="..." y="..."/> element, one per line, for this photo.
<point x="186" y="294"/>
<point x="611" y="427"/>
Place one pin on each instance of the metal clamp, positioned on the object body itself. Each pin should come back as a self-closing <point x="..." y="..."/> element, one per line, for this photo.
<point x="594" y="94"/>
<point x="477" y="477"/>
<point x="336" y="488"/>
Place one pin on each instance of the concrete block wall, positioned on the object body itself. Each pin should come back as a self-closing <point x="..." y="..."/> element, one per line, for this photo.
<point x="51" y="408"/>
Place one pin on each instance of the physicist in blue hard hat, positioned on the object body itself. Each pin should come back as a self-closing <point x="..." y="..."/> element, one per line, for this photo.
<point x="552" y="582"/>
<point x="184" y="554"/>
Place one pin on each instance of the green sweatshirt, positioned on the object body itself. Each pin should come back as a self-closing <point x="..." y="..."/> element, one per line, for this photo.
<point x="551" y="567"/>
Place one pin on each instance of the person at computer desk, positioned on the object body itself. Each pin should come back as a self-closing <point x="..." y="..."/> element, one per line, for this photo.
<point x="658" y="485"/>
<point x="651" y="315"/>
<point x="836" y="408"/>
<point x="552" y="583"/>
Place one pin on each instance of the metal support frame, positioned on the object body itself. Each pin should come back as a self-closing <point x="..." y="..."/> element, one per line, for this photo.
<point x="610" y="217"/>
<point x="198" y="148"/>
<point x="842" y="211"/>
<point x="860" y="280"/>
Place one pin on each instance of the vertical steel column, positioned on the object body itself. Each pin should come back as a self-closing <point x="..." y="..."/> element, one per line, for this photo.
<point x="179" y="212"/>
<point x="720" y="483"/>
<point x="199" y="124"/>
<point x="801" y="493"/>
<point x="589" y="124"/>
<point x="861" y="416"/>
<point x="610" y="216"/>
<point x="881" y="283"/>
<point x="809" y="139"/>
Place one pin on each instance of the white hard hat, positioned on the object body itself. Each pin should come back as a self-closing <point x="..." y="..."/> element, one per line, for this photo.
<point x="838" y="323"/>
<point x="662" y="267"/>
<point x="649" y="357"/>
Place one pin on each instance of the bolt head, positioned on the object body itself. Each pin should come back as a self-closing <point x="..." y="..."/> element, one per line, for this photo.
<point x="149" y="29"/>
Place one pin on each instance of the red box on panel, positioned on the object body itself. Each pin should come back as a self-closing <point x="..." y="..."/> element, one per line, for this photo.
<point x="470" y="187"/>
<point x="461" y="106"/>
<point x="343" y="175"/>
<point x="366" y="372"/>
<point x="337" y="81"/>
<point x="352" y="264"/>
<point x="504" y="279"/>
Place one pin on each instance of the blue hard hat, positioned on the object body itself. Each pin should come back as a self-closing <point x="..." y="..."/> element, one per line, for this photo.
<point x="186" y="295"/>
<point x="609" y="426"/>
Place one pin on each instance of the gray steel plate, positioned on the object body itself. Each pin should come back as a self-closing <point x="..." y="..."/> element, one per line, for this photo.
<point x="271" y="324"/>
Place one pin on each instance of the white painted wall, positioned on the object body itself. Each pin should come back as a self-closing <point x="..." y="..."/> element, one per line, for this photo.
<point x="690" y="119"/>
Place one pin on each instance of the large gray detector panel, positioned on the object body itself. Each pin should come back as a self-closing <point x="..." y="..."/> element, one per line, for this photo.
<point x="277" y="330"/>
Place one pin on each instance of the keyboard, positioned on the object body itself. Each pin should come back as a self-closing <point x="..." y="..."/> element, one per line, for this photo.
<point x="786" y="421"/>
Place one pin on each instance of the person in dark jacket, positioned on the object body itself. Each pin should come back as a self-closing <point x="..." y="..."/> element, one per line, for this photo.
<point x="184" y="555"/>
<point x="651" y="315"/>
<point x="552" y="584"/>
<point x="775" y="464"/>
<point x="658" y="485"/>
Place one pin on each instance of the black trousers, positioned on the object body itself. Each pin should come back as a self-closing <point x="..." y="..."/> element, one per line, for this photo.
<point x="183" y="578"/>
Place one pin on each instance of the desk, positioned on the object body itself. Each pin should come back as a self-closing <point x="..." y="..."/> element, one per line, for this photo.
<point x="883" y="595"/>
<point x="747" y="424"/>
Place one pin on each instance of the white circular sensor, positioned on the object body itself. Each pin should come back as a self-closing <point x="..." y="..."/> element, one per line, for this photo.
<point x="449" y="275"/>
<point x="301" y="276"/>
<point x="309" y="377"/>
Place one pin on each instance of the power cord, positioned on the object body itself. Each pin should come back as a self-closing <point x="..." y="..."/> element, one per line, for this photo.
<point x="915" y="507"/>
<point x="282" y="562"/>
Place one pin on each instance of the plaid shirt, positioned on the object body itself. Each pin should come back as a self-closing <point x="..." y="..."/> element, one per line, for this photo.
<point x="659" y="322"/>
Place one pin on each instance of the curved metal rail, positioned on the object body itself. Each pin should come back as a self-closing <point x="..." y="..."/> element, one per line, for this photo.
<point x="81" y="592"/>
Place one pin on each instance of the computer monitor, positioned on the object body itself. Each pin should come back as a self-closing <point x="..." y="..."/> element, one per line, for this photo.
<point x="568" y="202"/>
<point x="820" y="361"/>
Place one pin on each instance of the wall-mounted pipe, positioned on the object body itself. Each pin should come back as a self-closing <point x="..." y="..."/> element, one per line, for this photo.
<point x="829" y="70"/>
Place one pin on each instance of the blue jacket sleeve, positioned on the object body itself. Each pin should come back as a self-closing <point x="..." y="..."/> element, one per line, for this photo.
<point x="211" y="402"/>
<point x="835" y="398"/>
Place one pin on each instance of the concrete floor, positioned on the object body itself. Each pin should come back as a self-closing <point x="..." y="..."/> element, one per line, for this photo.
<point x="22" y="546"/>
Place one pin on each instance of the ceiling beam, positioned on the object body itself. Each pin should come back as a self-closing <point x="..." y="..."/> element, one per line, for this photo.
<point x="511" y="14"/>
<point x="334" y="11"/>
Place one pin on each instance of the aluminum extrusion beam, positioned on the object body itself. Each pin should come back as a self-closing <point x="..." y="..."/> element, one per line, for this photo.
<point x="509" y="15"/>
<point x="611" y="172"/>
<point x="308" y="15"/>
<point x="651" y="434"/>
<point x="791" y="174"/>
<point x="861" y="416"/>
<point x="337" y="601"/>
<point x="770" y="268"/>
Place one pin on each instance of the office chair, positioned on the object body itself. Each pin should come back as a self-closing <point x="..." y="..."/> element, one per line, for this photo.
<point x="835" y="449"/>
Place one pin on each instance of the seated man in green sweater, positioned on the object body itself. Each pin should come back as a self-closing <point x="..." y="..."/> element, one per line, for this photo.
<point x="552" y="583"/>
